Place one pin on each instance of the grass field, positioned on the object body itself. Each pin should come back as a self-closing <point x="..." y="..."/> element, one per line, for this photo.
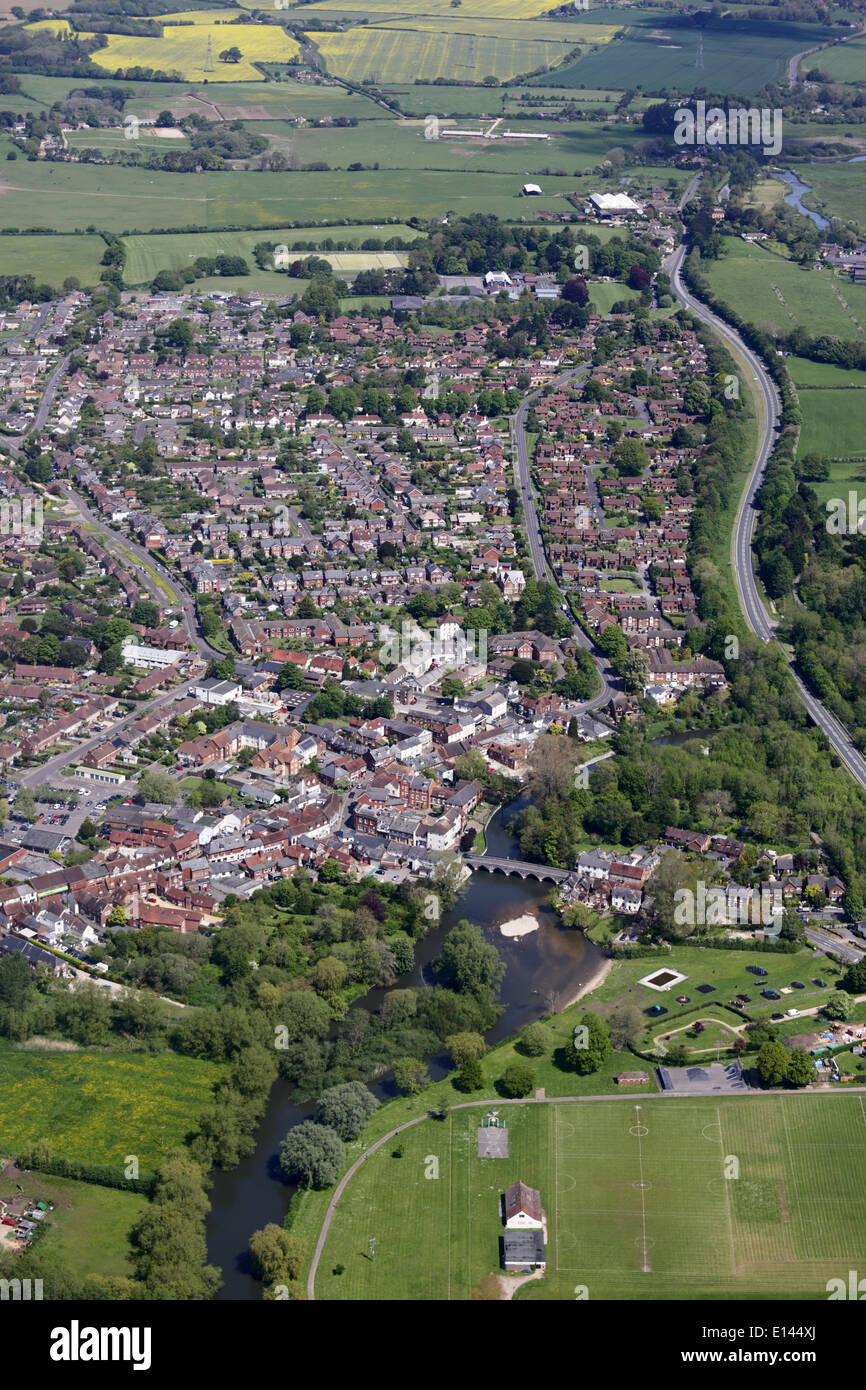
<point x="99" y="1107"/>
<point x="486" y="9"/>
<point x="183" y="50"/>
<point x="89" y="1230"/>
<point x="256" y="101"/>
<point x="51" y="258"/>
<point x="767" y="289"/>
<point x="657" y="52"/>
<point x="146" y="255"/>
<point x="834" y="424"/>
<point x="637" y="1202"/>
<point x="844" y="62"/>
<point x="838" y="190"/>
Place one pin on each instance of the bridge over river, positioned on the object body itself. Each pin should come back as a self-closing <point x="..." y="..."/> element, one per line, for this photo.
<point x="543" y="872"/>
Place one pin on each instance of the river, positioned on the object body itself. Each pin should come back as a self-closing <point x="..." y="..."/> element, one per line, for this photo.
<point x="794" y="199"/>
<point x="543" y="971"/>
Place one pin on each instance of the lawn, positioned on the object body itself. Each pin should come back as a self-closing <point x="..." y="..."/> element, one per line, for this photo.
<point x="100" y="1107"/>
<point x="89" y="1230"/>
<point x="768" y="290"/>
<point x="637" y="1202"/>
<point x="726" y="972"/>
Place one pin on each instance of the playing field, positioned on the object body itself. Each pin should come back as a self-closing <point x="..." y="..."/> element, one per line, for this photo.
<point x="182" y="50"/>
<point x="747" y="1197"/>
<point x="146" y="255"/>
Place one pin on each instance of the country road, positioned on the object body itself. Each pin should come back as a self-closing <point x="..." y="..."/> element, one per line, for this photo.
<point x="769" y="410"/>
<point x="532" y="520"/>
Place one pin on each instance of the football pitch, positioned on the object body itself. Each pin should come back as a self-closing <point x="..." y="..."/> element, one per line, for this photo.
<point x="746" y="1197"/>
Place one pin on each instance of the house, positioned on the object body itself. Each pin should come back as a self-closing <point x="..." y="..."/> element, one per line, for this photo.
<point x="522" y="1206"/>
<point x="631" y="1078"/>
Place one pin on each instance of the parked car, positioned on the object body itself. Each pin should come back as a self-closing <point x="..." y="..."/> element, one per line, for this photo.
<point x="777" y="1018"/>
<point x="797" y="984"/>
<point x="771" y="994"/>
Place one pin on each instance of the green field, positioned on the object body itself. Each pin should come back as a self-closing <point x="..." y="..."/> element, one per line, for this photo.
<point x="838" y="190"/>
<point x="834" y="424"/>
<point x="769" y="290"/>
<point x="146" y="255"/>
<point x="52" y="258"/>
<point x="658" y="52"/>
<point x="637" y="1202"/>
<point x="844" y="62"/>
<point x="88" y="1233"/>
<point x="100" y="1107"/>
<point x="402" y="55"/>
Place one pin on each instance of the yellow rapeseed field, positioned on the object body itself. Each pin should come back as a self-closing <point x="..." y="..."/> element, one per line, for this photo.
<point x="183" y="49"/>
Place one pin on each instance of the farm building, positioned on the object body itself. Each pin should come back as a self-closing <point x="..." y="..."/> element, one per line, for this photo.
<point x="531" y="190"/>
<point x="612" y="204"/>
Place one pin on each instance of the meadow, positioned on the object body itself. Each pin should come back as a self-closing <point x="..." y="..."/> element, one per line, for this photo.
<point x="88" y="1233"/>
<point x="838" y="190"/>
<point x="844" y="62"/>
<point x="768" y="289"/>
<point x="52" y="258"/>
<point x="635" y="1195"/>
<point x="96" y="1107"/>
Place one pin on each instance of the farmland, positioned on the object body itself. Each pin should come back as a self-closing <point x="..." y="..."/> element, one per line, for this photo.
<point x="98" y="1107"/>
<point x="50" y="259"/>
<point x="183" y="50"/>
<point x="402" y="55"/>
<point x="658" y="50"/>
<point x="845" y="62"/>
<point x="768" y="289"/>
<point x="838" y="190"/>
<point x="637" y="1203"/>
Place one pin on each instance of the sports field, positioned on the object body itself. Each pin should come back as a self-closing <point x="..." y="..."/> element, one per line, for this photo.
<point x="147" y="255"/>
<point x="753" y="1196"/>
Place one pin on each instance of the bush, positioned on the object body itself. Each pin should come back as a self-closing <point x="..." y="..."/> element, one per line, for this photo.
<point x="518" y="1080"/>
<point x="470" y="1077"/>
<point x="535" y="1040"/>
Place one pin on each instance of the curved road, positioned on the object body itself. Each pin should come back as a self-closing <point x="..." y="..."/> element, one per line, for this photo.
<point x="532" y="521"/>
<point x="753" y="608"/>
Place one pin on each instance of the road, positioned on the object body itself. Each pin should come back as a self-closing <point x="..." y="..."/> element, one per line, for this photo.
<point x="43" y="409"/>
<point x="543" y="572"/>
<point x="181" y="596"/>
<point x="769" y="411"/>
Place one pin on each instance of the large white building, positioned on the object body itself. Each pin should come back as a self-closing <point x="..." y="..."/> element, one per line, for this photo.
<point x="150" y="658"/>
<point x="613" y="204"/>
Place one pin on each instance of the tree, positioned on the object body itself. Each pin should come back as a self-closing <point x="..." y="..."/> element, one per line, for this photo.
<point x="518" y="1079"/>
<point x="117" y="916"/>
<point x="839" y="1005"/>
<point x="635" y="670"/>
<point x="468" y="964"/>
<point x="346" y="1108"/>
<point x="589" y="1047"/>
<point x="535" y="1040"/>
<point x="313" y="1154"/>
<point x="773" y="1063"/>
<point x="231" y="55"/>
<point x="629" y="457"/>
<point x="157" y="786"/>
<point x="465" y="1047"/>
<point x="25" y="804"/>
<point x="801" y="1068"/>
<point x="853" y="981"/>
<point x="551" y="767"/>
<point x="328" y="976"/>
<point x="626" y="1025"/>
<point x="410" y="1074"/>
<point x="470" y="1077"/>
<point x="276" y="1256"/>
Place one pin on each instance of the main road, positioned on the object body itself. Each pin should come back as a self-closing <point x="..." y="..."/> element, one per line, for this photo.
<point x="540" y="565"/>
<point x="769" y="412"/>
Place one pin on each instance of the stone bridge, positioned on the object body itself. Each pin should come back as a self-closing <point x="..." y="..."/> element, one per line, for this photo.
<point x="543" y="872"/>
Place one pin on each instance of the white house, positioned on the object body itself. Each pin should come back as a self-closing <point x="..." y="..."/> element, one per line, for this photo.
<point x="522" y="1208"/>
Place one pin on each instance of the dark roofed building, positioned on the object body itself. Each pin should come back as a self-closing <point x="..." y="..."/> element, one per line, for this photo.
<point x="523" y="1250"/>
